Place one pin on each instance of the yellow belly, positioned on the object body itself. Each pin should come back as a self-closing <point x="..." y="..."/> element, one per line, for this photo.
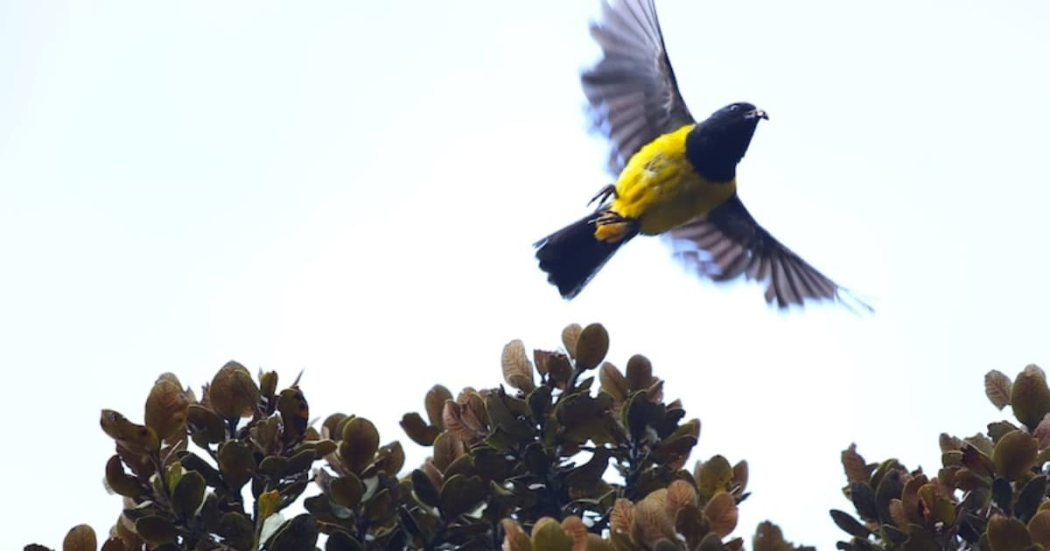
<point x="660" y="189"/>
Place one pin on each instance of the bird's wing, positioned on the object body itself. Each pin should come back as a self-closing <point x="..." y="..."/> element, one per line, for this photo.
<point x="632" y="92"/>
<point x="727" y="243"/>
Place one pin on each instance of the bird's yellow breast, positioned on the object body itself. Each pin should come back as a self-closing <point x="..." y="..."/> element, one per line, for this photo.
<point x="660" y="189"/>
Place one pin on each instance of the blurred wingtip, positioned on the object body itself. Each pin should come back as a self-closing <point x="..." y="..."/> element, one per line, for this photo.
<point x="854" y="302"/>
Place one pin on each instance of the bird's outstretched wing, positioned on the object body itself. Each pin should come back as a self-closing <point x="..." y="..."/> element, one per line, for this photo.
<point x="632" y="92"/>
<point x="727" y="243"/>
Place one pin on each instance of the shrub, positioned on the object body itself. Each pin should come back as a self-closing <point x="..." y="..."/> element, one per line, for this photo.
<point x="519" y="467"/>
<point x="990" y="492"/>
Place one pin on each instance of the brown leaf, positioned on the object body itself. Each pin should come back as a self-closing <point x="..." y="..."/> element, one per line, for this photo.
<point x="517" y="369"/>
<point x="1015" y="454"/>
<point x="651" y="522"/>
<point x="574" y="527"/>
<point x="591" y="346"/>
<point x="475" y="415"/>
<point x="232" y="393"/>
<point x="897" y="513"/>
<point x="997" y="386"/>
<point x="433" y="473"/>
<point x="435" y="404"/>
<point x="740" y="476"/>
<point x="447" y="447"/>
<point x="359" y="444"/>
<point x="1030" y="396"/>
<point x="713" y="476"/>
<point x="949" y="443"/>
<point x="656" y="391"/>
<point x="1039" y="528"/>
<point x="548" y="534"/>
<point x="596" y="543"/>
<point x="613" y="382"/>
<point x="166" y="407"/>
<point x="1042" y="434"/>
<point x="137" y="438"/>
<point x="452" y="419"/>
<point x="679" y="494"/>
<point x="1007" y="534"/>
<point x="722" y="513"/>
<point x="622" y="516"/>
<point x="515" y="539"/>
<point x="569" y="336"/>
<point x="639" y="372"/>
<point x="80" y="538"/>
<point x="857" y="469"/>
<point x="768" y="537"/>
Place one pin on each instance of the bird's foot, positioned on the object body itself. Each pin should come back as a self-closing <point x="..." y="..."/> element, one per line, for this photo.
<point x="604" y="194"/>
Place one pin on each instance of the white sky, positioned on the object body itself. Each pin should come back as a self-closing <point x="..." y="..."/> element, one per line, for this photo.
<point x="353" y="189"/>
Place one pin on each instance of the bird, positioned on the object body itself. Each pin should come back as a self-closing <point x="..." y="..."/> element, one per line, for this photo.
<point x="675" y="176"/>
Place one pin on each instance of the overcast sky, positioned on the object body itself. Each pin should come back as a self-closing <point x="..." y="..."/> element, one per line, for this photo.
<point x="353" y="189"/>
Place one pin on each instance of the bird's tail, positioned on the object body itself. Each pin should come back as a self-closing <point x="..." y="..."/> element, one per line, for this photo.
<point x="572" y="255"/>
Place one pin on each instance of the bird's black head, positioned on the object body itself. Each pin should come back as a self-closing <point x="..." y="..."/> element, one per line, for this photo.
<point x="717" y="144"/>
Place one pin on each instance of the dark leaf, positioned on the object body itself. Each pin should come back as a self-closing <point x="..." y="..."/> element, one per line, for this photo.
<point x="80" y="538"/>
<point x="418" y="430"/>
<point x="850" y="525"/>
<point x="460" y="494"/>
<point x="424" y="488"/>
<point x="1030" y="497"/>
<point x="155" y="529"/>
<point x="188" y="495"/>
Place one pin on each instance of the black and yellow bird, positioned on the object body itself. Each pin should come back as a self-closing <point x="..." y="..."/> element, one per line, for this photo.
<point x="676" y="177"/>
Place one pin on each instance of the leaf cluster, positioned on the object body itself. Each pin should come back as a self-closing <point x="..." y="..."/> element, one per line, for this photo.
<point x="990" y="493"/>
<point x="570" y="453"/>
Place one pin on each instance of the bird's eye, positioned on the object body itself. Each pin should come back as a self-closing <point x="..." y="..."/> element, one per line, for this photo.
<point x="734" y="107"/>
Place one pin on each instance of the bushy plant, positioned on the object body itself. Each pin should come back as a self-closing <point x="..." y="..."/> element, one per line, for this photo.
<point x="519" y="467"/>
<point x="990" y="492"/>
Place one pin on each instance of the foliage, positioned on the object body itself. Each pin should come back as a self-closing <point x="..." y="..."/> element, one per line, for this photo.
<point x="522" y="467"/>
<point x="990" y="492"/>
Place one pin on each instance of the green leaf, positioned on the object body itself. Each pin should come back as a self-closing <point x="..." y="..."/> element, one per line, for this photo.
<point x="591" y="346"/>
<point x="1015" y="454"/>
<point x="890" y="487"/>
<point x="848" y="524"/>
<point x="347" y="490"/>
<point x="539" y="403"/>
<point x="156" y="530"/>
<point x="920" y="540"/>
<point x="80" y="538"/>
<point x="237" y="530"/>
<point x="359" y="444"/>
<point x="1030" y="396"/>
<point x="300" y="462"/>
<point x="418" y="430"/>
<point x="1030" y="497"/>
<point x="863" y="497"/>
<point x="380" y="506"/>
<point x="491" y="464"/>
<point x="298" y="534"/>
<point x="460" y="494"/>
<point x="274" y="466"/>
<point x="586" y="418"/>
<point x="1007" y="534"/>
<point x="425" y="489"/>
<point x="715" y="475"/>
<point x="548" y="535"/>
<point x="583" y="480"/>
<point x="236" y="463"/>
<point x="188" y="495"/>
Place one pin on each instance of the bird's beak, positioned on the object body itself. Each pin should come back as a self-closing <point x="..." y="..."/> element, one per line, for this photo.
<point x="758" y="114"/>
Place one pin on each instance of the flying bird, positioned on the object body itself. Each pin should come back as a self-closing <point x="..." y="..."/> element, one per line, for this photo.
<point x="675" y="176"/>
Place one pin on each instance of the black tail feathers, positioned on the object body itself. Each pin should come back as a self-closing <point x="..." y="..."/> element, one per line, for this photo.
<point x="572" y="255"/>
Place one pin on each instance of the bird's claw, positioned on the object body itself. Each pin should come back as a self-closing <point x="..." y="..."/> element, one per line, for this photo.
<point x="604" y="194"/>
